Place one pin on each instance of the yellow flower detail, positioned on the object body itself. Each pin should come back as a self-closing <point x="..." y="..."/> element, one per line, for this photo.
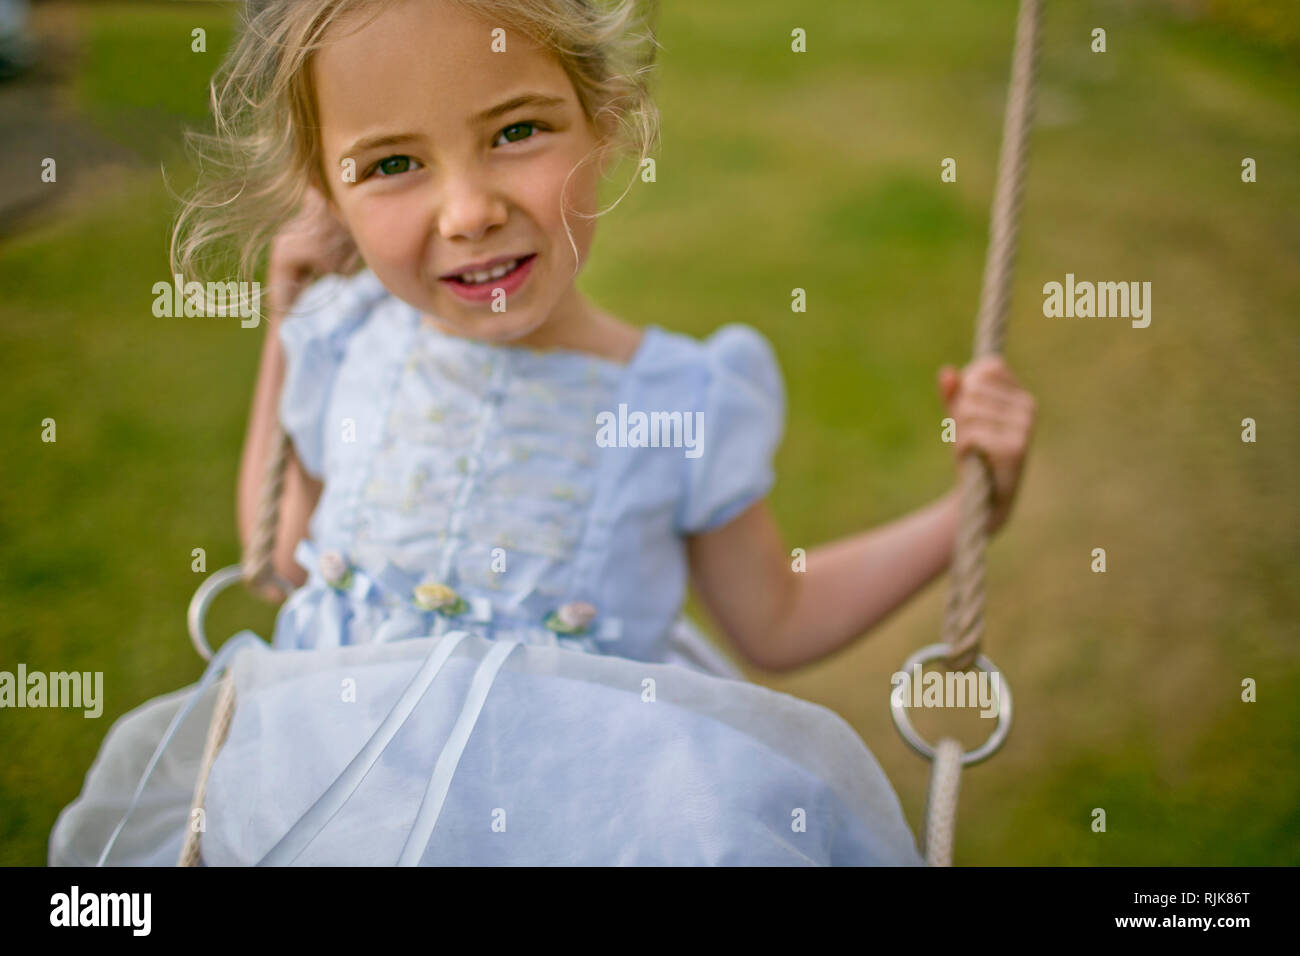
<point x="436" y="597"/>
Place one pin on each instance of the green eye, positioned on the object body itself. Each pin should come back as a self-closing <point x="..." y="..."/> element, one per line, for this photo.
<point x="393" y="165"/>
<point x="518" y="126"/>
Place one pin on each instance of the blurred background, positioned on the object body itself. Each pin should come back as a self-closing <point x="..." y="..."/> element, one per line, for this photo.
<point x="777" y="171"/>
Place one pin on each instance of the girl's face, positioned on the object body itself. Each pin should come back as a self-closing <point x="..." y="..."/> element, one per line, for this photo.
<point x="460" y="156"/>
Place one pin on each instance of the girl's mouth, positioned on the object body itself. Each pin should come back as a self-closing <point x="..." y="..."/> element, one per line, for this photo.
<point x="484" y="291"/>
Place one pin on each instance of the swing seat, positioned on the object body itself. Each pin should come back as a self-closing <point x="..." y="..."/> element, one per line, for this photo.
<point x="460" y="750"/>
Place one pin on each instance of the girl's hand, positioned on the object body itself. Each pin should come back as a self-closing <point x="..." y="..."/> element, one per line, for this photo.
<point x="995" y="417"/>
<point x="313" y="244"/>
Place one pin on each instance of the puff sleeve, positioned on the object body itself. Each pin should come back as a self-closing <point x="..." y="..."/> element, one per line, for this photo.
<point x="743" y="400"/>
<point x="314" y="336"/>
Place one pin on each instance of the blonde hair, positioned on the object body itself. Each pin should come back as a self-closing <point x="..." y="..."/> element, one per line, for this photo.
<point x="255" y="167"/>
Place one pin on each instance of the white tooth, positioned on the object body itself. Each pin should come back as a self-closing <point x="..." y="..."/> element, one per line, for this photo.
<point x="486" y="275"/>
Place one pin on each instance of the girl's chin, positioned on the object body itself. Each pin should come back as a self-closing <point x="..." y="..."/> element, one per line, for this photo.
<point x="494" y="328"/>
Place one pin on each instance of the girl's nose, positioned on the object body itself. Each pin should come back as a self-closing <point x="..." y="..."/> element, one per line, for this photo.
<point x="470" y="206"/>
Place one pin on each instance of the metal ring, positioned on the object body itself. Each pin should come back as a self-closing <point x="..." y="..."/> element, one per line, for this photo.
<point x="217" y="582"/>
<point x="1002" y="691"/>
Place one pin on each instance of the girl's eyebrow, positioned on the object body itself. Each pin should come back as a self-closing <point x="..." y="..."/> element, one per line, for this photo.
<point x="539" y="100"/>
<point x="372" y="142"/>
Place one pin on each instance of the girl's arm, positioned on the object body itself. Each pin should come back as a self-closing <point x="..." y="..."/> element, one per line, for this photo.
<point x="313" y="244"/>
<point x="780" y="618"/>
<point x="301" y="491"/>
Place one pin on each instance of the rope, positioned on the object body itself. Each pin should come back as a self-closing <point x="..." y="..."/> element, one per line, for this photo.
<point x="258" y="573"/>
<point x="963" y="624"/>
<point x="258" y="559"/>
<point x="964" y="615"/>
<point x="941" y="803"/>
<point x="217" y="730"/>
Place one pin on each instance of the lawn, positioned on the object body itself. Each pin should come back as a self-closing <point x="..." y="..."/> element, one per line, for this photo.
<point x="781" y="170"/>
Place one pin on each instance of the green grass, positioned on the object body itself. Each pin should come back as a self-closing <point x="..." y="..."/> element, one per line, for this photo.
<point x="778" y="171"/>
<point x="141" y="75"/>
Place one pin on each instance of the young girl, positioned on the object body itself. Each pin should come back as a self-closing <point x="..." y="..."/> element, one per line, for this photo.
<point x="488" y="466"/>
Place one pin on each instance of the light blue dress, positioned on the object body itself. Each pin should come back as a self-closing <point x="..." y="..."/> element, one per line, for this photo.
<point x="488" y="663"/>
<point x="477" y="466"/>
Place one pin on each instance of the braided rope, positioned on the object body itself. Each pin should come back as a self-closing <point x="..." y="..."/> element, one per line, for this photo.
<point x="258" y="573"/>
<point x="963" y="623"/>
<point x="258" y="560"/>
<point x="217" y="730"/>
<point x="941" y="803"/>
<point x="964" y="614"/>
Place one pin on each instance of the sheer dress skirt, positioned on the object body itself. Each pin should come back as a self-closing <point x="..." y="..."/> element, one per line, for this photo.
<point x="461" y="750"/>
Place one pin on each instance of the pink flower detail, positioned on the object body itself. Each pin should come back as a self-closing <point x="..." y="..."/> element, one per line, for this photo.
<point x="576" y="614"/>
